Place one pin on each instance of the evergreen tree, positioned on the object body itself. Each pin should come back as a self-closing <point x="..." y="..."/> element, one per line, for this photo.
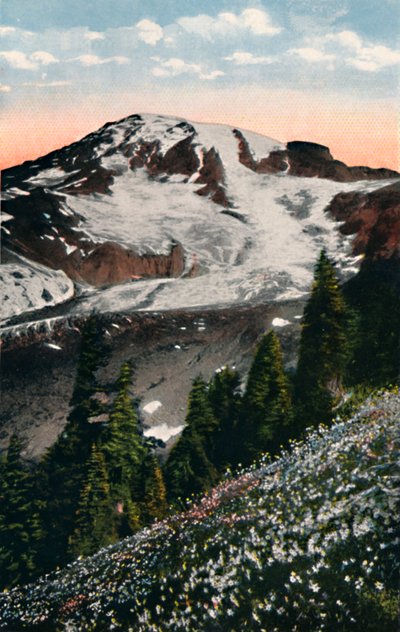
<point x="94" y="526"/>
<point x="375" y="353"/>
<point x="267" y="413"/>
<point x="190" y="469"/>
<point x="63" y="469"/>
<point x="324" y="348"/>
<point x="154" y="503"/>
<point x="225" y="399"/>
<point x="20" y="529"/>
<point x="124" y="451"/>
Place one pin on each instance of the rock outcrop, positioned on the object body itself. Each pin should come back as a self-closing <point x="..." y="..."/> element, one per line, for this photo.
<point x="307" y="160"/>
<point x="111" y="263"/>
<point x="313" y="160"/>
<point x="374" y="219"/>
<point x="212" y="175"/>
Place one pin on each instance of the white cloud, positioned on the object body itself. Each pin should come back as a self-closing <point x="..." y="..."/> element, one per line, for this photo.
<point x="47" y="84"/>
<point x="242" y="58"/>
<point x="349" y="48"/>
<point x="17" y="59"/>
<point x="4" y="88"/>
<point x="374" y="58"/>
<point x="367" y="66"/>
<point x="149" y="32"/>
<point x="7" y="30"/>
<point x="22" y="61"/>
<point x="349" y="39"/>
<point x="94" y="60"/>
<point x="312" y="54"/>
<point x="209" y="76"/>
<point x="43" y="58"/>
<point x="259" y="22"/>
<point x="255" y="21"/>
<point x="94" y="35"/>
<point x="174" y="67"/>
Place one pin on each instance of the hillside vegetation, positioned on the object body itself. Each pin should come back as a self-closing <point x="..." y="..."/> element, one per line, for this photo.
<point x="308" y="542"/>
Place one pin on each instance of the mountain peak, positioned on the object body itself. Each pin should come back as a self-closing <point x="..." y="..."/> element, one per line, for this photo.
<point x="249" y="213"/>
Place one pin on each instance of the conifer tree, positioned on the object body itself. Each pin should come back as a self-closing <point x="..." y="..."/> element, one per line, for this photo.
<point x="20" y="529"/>
<point x="154" y="504"/>
<point x="190" y="469"/>
<point x="225" y="399"/>
<point x="267" y="414"/>
<point x="62" y="470"/>
<point x="375" y="352"/>
<point x="94" y="526"/>
<point x="124" y="451"/>
<point x="323" y="348"/>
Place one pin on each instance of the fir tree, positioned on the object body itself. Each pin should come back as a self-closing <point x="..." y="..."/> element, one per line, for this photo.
<point x="375" y="349"/>
<point x="190" y="469"/>
<point x="94" y="526"/>
<point x="20" y="529"/>
<point x="62" y="470"/>
<point x="124" y="451"/>
<point x="154" y="504"/>
<point x="324" y="348"/>
<point x="267" y="414"/>
<point x="225" y="399"/>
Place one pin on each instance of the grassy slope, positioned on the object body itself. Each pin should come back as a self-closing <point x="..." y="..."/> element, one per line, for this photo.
<point x="306" y="543"/>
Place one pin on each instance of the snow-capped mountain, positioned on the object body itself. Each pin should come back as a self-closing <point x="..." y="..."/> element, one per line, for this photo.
<point x="157" y="213"/>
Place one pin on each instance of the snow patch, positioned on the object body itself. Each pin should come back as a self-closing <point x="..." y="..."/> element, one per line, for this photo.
<point x="280" y="322"/>
<point x="48" y="177"/>
<point x="163" y="432"/>
<point x="12" y="193"/>
<point x="5" y="217"/>
<point x="50" y="345"/>
<point x="151" y="407"/>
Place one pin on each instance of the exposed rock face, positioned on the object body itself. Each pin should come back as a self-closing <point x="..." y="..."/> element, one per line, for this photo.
<point x="42" y="237"/>
<point x="311" y="160"/>
<point x="111" y="263"/>
<point x="274" y="163"/>
<point x="212" y="175"/>
<point x="308" y="160"/>
<point x="374" y="218"/>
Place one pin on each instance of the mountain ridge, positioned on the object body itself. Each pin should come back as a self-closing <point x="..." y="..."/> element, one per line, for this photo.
<point x="203" y="201"/>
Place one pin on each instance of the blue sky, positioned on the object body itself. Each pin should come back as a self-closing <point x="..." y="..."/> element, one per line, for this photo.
<point x="108" y="58"/>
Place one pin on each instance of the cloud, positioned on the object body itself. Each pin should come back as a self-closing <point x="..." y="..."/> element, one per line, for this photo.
<point x="374" y="58"/>
<point x="174" y="67"/>
<point x="349" y="39"/>
<point x="21" y="61"/>
<point x="209" y="76"/>
<point x="149" y="32"/>
<point x="350" y="49"/>
<point x="242" y="58"/>
<point x="259" y="22"/>
<point x="364" y="56"/>
<point x="18" y="59"/>
<point x="43" y="58"/>
<point x="94" y="60"/>
<point x="255" y="21"/>
<point x="92" y="36"/>
<point x="312" y="54"/>
<point x="7" y="30"/>
<point x="4" y="88"/>
<point x="47" y="84"/>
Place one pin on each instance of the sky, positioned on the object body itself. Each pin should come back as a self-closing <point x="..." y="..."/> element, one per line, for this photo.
<point x="318" y="70"/>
